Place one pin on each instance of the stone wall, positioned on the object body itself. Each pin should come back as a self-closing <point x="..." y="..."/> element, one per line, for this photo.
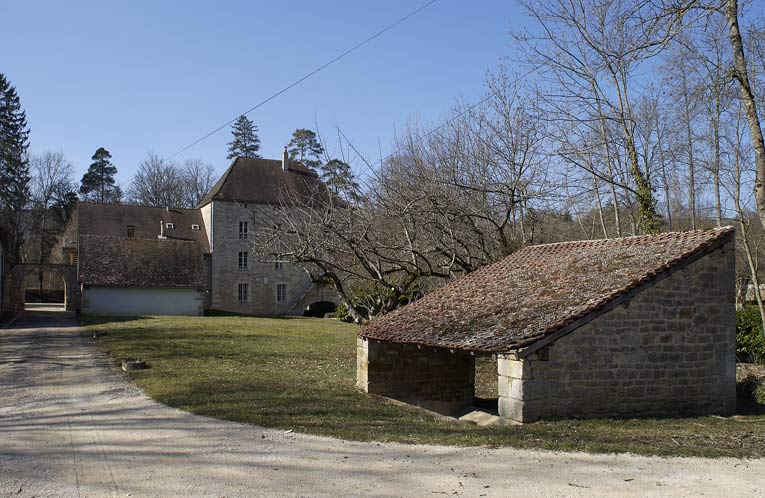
<point x="435" y="379"/>
<point x="262" y="278"/>
<point x="669" y="350"/>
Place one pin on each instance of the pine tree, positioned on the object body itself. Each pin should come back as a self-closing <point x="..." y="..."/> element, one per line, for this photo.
<point x="246" y="142"/>
<point x="98" y="184"/>
<point x="14" y="164"/>
<point x="305" y="148"/>
<point x="340" y="179"/>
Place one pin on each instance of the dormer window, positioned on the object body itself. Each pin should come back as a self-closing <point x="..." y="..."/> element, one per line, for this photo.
<point x="130" y="231"/>
<point x="194" y="227"/>
<point x="171" y="226"/>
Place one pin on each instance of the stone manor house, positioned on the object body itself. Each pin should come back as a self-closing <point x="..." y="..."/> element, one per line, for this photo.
<point x="136" y="260"/>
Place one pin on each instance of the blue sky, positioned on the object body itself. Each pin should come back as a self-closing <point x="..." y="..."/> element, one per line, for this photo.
<point x="147" y="75"/>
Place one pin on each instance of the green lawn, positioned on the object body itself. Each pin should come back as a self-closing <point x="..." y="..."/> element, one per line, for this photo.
<point x="299" y="374"/>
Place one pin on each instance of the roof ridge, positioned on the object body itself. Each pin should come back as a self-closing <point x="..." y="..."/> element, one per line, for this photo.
<point x="723" y="229"/>
<point x="217" y="186"/>
<point x="137" y="206"/>
<point x="114" y="237"/>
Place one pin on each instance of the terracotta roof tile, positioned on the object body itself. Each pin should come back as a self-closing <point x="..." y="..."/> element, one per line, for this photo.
<point x="116" y="261"/>
<point x="536" y="291"/>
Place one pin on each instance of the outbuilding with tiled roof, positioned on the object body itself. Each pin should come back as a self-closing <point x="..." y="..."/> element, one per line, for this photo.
<point x="135" y="276"/>
<point x="636" y="326"/>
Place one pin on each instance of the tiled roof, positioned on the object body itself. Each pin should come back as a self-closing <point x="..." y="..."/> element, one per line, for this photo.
<point x="117" y="261"/>
<point x="112" y="220"/>
<point x="263" y="181"/>
<point x="537" y="291"/>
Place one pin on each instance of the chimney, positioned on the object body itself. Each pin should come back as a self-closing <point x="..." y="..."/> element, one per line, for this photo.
<point x="285" y="159"/>
<point x="161" y="230"/>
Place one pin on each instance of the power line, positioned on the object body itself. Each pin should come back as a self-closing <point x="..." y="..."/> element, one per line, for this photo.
<point x="294" y="84"/>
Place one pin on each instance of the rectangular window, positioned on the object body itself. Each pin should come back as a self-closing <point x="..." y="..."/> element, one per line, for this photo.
<point x="194" y="227"/>
<point x="131" y="231"/>
<point x="242" y="229"/>
<point x="278" y="265"/>
<point x="281" y="293"/>
<point x="243" y="288"/>
<point x="243" y="260"/>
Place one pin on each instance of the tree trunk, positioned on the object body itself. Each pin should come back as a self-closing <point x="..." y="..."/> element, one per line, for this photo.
<point x="740" y="73"/>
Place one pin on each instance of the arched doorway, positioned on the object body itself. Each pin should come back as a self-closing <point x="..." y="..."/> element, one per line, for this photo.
<point x="320" y="308"/>
<point x="21" y="275"/>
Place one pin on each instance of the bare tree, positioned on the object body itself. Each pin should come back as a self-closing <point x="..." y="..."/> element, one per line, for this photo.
<point x="449" y="201"/>
<point x="157" y="183"/>
<point x="730" y="10"/>
<point x="589" y="53"/>
<point x="198" y="179"/>
<point x="738" y="176"/>
<point x="52" y="182"/>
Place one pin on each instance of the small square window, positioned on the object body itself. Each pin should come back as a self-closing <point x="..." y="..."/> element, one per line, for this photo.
<point x="281" y="293"/>
<point x="243" y="260"/>
<point x="171" y="226"/>
<point x="243" y="288"/>
<point x="243" y="230"/>
<point x="194" y="227"/>
<point x="278" y="265"/>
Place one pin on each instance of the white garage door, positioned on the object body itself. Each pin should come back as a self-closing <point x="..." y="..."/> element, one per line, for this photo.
<point x="133" y="301"/>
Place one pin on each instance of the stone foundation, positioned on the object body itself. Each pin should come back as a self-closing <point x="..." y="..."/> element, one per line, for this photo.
<point x="436" y="379"/>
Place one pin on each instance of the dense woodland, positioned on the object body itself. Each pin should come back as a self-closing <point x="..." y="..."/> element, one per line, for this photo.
<point x="613" y="118"/>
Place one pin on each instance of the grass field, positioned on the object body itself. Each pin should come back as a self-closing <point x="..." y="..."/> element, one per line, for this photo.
<point x="299" y="374"/>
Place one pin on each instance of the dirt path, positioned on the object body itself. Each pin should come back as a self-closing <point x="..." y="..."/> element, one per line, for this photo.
<point x="69" y="427"/>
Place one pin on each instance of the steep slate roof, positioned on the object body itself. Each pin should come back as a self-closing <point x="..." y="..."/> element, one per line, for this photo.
<point x="118" y="261"/>
<point x="538" y="291"/>
<point x="262" y="181"/>
<point x="112" y="220"/>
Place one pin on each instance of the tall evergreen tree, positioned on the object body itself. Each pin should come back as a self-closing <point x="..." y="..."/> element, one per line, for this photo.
<point x="305" y="148"/>
<point x="245" y="142"/>
<point x="14" y="164"/>
<point x="340" y="179"/>
<point x="98" y="184"/>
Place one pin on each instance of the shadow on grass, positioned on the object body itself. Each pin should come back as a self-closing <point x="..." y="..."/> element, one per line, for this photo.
<point x="104" y="319"/>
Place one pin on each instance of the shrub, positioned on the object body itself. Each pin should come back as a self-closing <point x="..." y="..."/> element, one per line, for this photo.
<point x="750" y="344"/>
<point x="342" y="314"/>
<point x="751" y="388"/>
<point x="759" y="393"/>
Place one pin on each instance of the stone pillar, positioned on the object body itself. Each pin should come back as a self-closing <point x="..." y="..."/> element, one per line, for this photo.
<point x="515" y="389"/>
<point x="362" y="364"/>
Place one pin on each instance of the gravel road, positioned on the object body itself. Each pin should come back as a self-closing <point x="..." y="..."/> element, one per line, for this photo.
<point x="71" y="427"/>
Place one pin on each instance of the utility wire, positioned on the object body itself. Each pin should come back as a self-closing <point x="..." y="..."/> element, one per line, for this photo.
<point x="327" y="64"/>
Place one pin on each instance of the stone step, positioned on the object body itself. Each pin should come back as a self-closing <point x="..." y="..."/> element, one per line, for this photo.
<point x="482" y="418"/>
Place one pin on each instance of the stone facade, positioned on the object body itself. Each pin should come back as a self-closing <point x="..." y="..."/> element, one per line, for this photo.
<point x="669" y="350"/>
<point x="262" y="279"/>
<point x="436" y="379"/>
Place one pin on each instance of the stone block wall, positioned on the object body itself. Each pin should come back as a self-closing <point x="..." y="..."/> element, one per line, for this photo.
<point x="262" y="278"/>
<point x="436" y="379"/>
<point x="669" y="350"/>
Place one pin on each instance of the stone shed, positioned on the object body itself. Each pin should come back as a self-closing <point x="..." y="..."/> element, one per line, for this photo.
<point x="637" y="326"/>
